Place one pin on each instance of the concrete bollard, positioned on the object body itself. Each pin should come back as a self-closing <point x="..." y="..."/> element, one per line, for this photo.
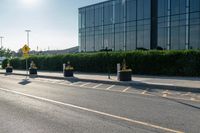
<point x="118" y="69"/>
<point x="64" y="67"/>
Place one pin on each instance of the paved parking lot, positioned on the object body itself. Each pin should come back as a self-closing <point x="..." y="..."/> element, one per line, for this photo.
<point x="189" y="96"/>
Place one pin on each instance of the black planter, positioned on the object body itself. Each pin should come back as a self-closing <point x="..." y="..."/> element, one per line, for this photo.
<point x="32" y="71"/>
<point x="68" y="73"/>
<point x="125" y="75"/>
<point x="9" y="69"/>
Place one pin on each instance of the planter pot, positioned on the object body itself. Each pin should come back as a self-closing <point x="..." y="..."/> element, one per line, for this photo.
<point x="125" y="75"/>
<point x="68" y="73"/>
<point x="32" y="71"/>
<point x="9" y="70"/>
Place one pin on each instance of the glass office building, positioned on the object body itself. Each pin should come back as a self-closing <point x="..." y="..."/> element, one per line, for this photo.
<point x="135" y="24"/>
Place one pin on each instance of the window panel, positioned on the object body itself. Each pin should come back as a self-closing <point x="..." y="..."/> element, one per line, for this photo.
<point x="131" y="35"/>
<point x="109" y="36"/>
<point x="131" y="10"/>
<point x="108" y="13"/>
<point x="119" y="11"/>
<point x="119" y="37"/>
<point x="194" y="5"/>
<point x="90" y="39"/>
<point x="98" y="15"/>
<point x="98" y="38"/>
<point x="90" y="16"/>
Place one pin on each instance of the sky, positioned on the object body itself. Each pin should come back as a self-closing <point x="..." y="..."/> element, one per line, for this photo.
<point x="53" y="23"/>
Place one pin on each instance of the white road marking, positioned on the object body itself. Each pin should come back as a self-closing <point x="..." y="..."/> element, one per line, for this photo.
<point x="186" y="94"/>
<point x="126" y="89"/>
<point x="192" y="99"/>
<point x="96" y="86"/>
<point x="110" y="87"/>
<point x="144" y="92"/>
<point x="164" y="95"/>
<point x="74" y="83"/>
<point x="94" y="111"/>
<point x="84" y="84"/>
<point x="154" y="83"/>
<point x="136" y="93"/>
<point x="166" y="92"/>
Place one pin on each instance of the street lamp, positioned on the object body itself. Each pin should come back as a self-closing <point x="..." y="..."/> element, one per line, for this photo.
<point x="1" y="37"/>
<point x="28" y="31"/>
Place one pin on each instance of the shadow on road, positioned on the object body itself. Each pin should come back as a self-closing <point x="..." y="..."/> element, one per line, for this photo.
<point x="24" y="82"/>
<point x="180" y="102"/>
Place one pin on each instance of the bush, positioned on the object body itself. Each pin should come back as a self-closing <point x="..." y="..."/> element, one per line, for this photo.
<point x="152" y="62"/>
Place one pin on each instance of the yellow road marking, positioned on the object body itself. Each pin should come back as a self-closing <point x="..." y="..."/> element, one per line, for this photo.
<point x="95" y="111"/>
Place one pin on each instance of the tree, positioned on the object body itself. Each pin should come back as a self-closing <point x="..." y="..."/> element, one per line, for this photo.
<point x="5" y="52"/>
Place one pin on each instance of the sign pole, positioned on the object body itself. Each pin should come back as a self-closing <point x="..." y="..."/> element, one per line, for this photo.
<point x="25" y="51"/>
<point x="26" y="68"/>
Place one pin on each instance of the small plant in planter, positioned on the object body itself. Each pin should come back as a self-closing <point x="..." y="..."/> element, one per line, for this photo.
<point x="125" y="74"/>
<point x="68" y="70"/>
<point x="33" y="69"/>
<point x="9" y="69"/>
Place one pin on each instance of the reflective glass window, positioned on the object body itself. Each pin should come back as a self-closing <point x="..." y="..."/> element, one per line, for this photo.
<point x="131" y="10"/>
<point x="98" y="15"/>
<point x="119" y="37"/>
<point x="131" y="35"/>
<point x="90" y="39"/>
<point x="90" y="16"/>
<point x="109" y="36"/>
<point x="194" y="5"/>
<point x="108" y="13"/>
<point x="98" y="38"/>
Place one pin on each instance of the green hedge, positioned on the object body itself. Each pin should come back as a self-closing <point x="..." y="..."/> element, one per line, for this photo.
<point x="176" y="63"/>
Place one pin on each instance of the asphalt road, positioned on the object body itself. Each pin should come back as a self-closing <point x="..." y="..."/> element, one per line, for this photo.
<point x="32" y="106"/>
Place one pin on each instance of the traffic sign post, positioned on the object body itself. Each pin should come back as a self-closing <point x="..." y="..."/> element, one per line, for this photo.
<point x="25" y="51"/>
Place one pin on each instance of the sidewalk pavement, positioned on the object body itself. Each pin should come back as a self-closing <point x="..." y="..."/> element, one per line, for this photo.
<point x="191" y="84"/>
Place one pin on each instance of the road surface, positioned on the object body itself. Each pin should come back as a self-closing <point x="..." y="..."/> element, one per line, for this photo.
<point x="56" y="106"/>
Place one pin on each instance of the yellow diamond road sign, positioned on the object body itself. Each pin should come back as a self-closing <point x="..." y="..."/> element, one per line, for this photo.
<point x="25" y="49"/>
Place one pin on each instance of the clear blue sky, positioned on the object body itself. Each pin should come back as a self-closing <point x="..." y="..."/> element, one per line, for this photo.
<point x="54" y="23"/>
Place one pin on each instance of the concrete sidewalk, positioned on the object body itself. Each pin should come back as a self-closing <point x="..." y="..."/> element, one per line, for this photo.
<point x="160" y="82"/>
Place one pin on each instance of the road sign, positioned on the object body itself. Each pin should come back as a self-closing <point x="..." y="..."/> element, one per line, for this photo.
<point x="25" y="55"/>
<point x="25" y="49"/>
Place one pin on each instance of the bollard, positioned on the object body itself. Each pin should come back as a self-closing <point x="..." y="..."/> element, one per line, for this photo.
<point x="118" y="69"/>
<point x="64" y="65"/>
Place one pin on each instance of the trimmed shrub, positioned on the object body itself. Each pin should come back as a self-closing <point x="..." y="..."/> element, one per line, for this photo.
<point x="152" y="62"/>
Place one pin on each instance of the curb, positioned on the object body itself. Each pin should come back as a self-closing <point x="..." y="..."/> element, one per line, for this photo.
<point x="131" y="83"/>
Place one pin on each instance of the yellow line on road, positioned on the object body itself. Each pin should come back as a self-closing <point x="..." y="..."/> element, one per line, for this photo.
<point x="94" y="111"/>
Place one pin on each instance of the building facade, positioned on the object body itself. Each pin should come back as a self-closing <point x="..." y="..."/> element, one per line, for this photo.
<point x="135" y="24"/>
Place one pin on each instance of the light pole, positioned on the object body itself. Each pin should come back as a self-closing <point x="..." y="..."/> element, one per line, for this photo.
<point x="1" y="37"/>
<point x="28" y="31"/>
